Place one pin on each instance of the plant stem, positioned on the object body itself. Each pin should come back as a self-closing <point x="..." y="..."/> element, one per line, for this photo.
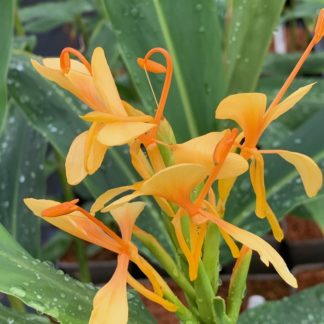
<point x="237" y="286"/>
<point x="16" y="304"/>
<point x="205" y="296"/>
<point x="81" y="255"/>
<point x="165" y="260"/>
<point x="18" y="25"/>
<point x="211" y="255"/>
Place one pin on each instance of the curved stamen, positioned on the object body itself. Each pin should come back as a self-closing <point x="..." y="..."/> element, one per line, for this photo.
<point x="318" y="35"/>
<point x="65" y="61"/>
<point x="167" y="81"/>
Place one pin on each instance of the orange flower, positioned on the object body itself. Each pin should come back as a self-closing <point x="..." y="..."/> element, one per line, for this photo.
<point x="110" y="303"/>
<point x="114" y="122"/>
<point x="249" y="111"/>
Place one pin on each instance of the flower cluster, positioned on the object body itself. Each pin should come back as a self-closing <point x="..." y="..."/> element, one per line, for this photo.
<point x="190" y="181"/>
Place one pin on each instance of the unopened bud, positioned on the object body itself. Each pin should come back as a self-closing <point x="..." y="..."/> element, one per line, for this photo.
<point x="151" y="66"/>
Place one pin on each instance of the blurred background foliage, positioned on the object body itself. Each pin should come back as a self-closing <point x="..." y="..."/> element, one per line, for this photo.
<point x="218" y="48"/>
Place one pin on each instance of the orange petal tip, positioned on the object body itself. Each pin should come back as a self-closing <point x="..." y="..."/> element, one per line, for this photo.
<point x="319" y="27"/>
<point x="151" y="66"/>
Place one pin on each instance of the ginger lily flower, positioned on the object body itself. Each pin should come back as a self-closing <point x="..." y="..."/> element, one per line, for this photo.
<point x="110" y="303"/>
<point x="249" y="111"/>
<point x="114" y="122"/>
<point x="176" y="184"/>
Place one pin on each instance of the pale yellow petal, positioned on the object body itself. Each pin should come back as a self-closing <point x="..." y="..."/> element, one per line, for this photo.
<point x="121" y="201"/>
<point x="107" y="196"/>
<point x="94" y="150"/>
<point x="75" y="65"/>
<point x="267" y="253"/>
<point x="104" y="117"/>
<point x="110" y="304"/>
<point x="247" y="110"/>
<point x="105" y="83"/>
<point x="74" y="163"/>
<point x="286" y="104"/>
<point x="74" y="223"/>
<point x="115" y="134"/>
<point x="310" y="173"/>
<point x="175" y="183"/>
<point x="126" y="216"/>
<point x="130" y="110"/>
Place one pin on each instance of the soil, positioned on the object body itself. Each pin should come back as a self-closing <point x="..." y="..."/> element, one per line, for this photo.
<point x="310" y="278"/>
<point x="301" y="229"/>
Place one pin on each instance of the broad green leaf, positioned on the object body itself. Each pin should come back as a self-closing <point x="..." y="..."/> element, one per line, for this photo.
<point x="195" y="48"/>
<point x="6" y="35"/>
<point x="284" y="188"/>
<point x="8" y="315"/>
<point x="22" y="154"/>
<point x="50" y="291"/>
<point x="277" y="65"/>
<point x="305" y="307"/>
<point x="55" y="114"/>
<point x="248" y="38"/>
<point x="42" y="17"/>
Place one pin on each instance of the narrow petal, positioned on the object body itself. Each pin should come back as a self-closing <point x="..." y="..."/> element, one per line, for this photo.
<point x="286" y="105"/>
<point x="121" y="133"/>
<point x="262" y="208"/>
<point x="175" y="183"/>
<point x="247" y="110"/>
<point x="121" y="201"/>
<point x="75" y="65"/>
<point x="110" y="304"/>
<point x="267" y="253"/>
<point x="103" y="117"/>
<point x="107" y="196"/>
<point x="105" y="83"/>
<point x="308" y="170"/>
<point x="126" y="216"/>
<point x="74" y="223"/>
<point x="74" y="163"/>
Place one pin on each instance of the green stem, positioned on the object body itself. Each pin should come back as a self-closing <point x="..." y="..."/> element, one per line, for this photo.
<point x="211" y="255"/>
<point x="237" y="286"/>
<point x="16" y="304"/>
<point x="205" y="296"/>
<point x="166" y="261"/>
<point x="81" y="255"/>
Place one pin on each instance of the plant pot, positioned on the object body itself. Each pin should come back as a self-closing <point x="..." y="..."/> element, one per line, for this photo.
<point x="305" y="241"/>
<point x="308" y="275"/>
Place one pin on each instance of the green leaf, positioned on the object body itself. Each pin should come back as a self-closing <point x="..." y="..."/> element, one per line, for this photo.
<point x="43" y="17"/>
<point x="6" y="35"/>
<point x="248" y="38"/>
<point x="9" y="315"/>
<point x="55" y="114"/>
<point x="304" y="9"/>
<point x="22" y="155"/>
<point x="195" y="48"/>
<point x="305" y="307"/>
<point x="277" y="65"/>
<point x="50" y="291"/>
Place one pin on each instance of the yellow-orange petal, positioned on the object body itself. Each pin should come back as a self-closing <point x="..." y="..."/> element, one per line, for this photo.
<point x="110" y="304"/>
<point x="121" y="201"/>
<point x="74" y="163"/>
<point x="75" y="65"/>
<point x="286" y="105"/>
<point x="121" y="133"/>
<point x="94" y="150"/>
<point x="126" y="216"/>
<point x="107" y="196"/>
<point x="310" y="173"/>
<point x="247" y="110"/>
<point x="130" y="110"/>
<point x="105" y="83"/>
<point x="103" y="117"/>
<point x="74" y="223"/>
<point x="175" y="183"/>
<point x="267" y="253"/>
